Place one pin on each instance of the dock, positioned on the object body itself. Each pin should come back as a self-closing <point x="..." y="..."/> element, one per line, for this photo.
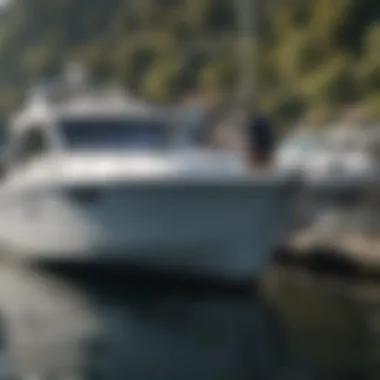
<point x="349" y="254"/>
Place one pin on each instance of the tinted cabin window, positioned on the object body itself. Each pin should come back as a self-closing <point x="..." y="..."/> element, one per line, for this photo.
<point x="33" y="144"/>
<point x="115" y="134"/>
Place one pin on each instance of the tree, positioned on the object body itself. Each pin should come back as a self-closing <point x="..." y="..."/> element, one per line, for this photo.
<point x="313" y="54"/>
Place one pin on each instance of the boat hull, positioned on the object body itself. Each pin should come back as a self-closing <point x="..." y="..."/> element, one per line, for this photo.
<point x="219" y="230"/>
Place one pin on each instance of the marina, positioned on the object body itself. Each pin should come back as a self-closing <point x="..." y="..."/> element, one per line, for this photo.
<point x="189" y="190"/>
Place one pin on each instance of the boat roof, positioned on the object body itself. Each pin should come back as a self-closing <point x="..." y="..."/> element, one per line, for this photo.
<point x="47" y="104"/>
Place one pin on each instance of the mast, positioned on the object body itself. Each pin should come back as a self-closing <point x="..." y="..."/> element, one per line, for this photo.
<point x="246" y="22"/>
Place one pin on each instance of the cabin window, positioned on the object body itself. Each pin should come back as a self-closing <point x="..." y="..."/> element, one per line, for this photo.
<point x="114" y="134"/>
<point x="32" y="144"/>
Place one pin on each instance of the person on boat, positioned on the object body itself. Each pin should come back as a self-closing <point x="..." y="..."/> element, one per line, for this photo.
<point x="261" y="139"/>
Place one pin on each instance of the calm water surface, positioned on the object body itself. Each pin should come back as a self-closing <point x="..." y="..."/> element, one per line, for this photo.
<point x="335" y="323"/>
<point x="107" y="327"/>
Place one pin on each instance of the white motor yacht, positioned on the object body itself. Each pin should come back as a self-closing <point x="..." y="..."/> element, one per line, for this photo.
<point x="99" y="177"/>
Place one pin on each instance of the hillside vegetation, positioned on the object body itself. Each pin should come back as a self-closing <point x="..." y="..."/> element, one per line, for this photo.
<point x="314" y="55"/>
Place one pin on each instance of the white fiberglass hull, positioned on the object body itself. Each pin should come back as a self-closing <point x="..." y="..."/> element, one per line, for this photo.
<point x="224" y="230"/>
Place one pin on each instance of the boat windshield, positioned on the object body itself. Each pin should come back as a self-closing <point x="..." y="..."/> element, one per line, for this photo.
<point x="115" y="134"/>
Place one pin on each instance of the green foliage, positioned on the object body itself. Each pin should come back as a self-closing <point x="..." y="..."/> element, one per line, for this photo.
<point x="320" y="54"/>
<point x="217" y="76"/>
<point x="159" y="83"/>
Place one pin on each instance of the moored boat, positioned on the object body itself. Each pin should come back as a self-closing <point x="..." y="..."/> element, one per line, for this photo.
<point x="97" y="176"/>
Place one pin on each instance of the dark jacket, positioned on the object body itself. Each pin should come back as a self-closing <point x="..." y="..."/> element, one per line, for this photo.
<point x="261" y="135"/>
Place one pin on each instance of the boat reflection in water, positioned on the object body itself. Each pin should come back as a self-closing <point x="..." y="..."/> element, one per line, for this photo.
<point x="115" y="326"/>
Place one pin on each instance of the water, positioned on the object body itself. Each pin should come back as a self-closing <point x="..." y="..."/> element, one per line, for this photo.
<point x="109" y="326"/>
<point x="335" y="323"/>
